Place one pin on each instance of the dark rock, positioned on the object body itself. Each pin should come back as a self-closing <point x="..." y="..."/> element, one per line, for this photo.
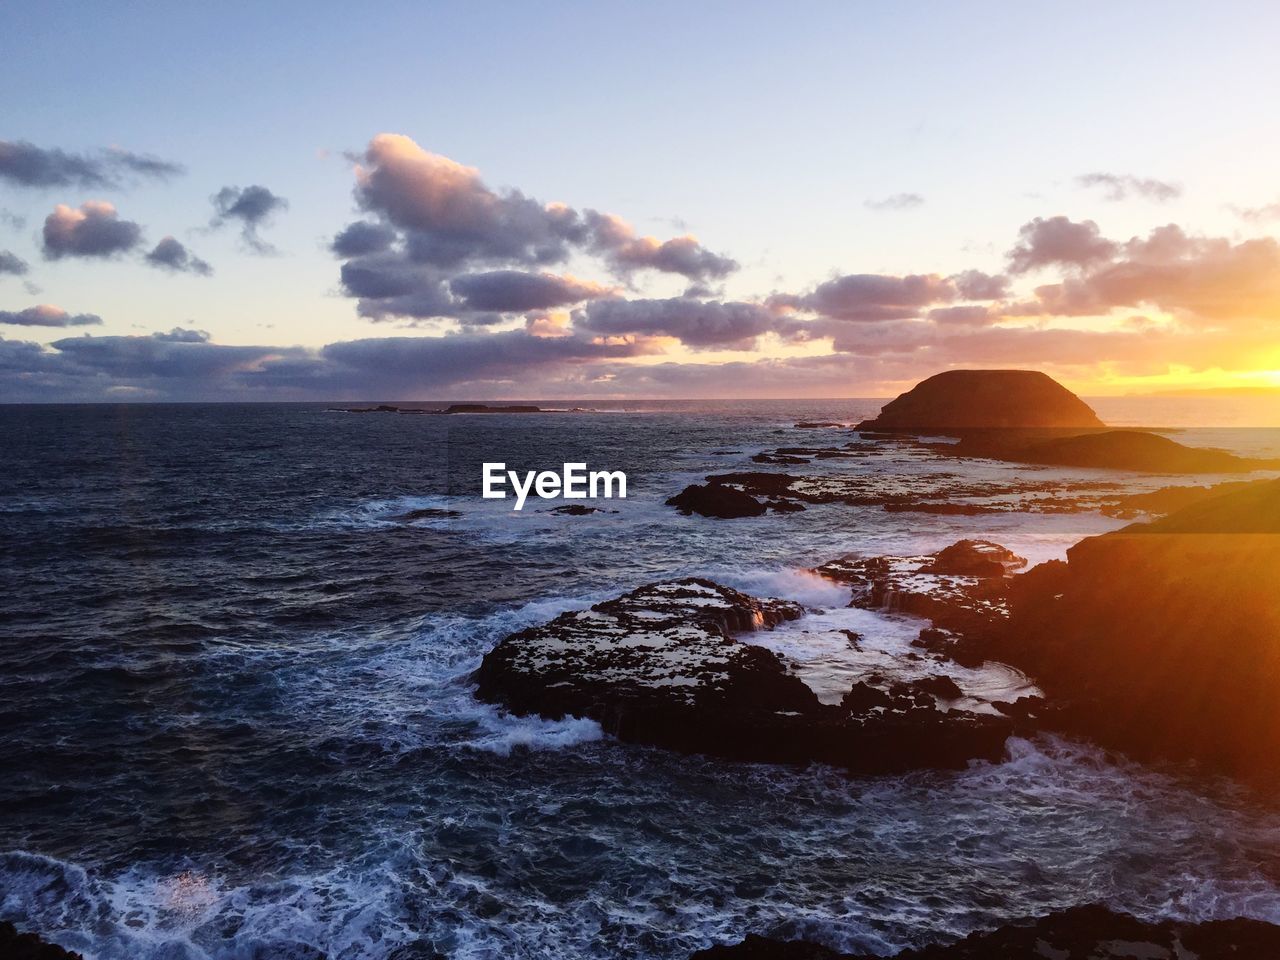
<point x="1113" y="450"/>
<point x="1159" y="640"/>
<point x="756" y="947"/>
<point x="714" y="500"/>
<point x="1082" y="933"/>
<point x="984" y="399"/>
<point x="944" y="509"/>
<point x="1168" y="499"/>
<point x="816" y="424"/>
<point x="962" y="588"/>
<point x="963" y="649"/>
<point x="485" y="408"/>
<point x="1024" y="708"/>
<point x="975" y="558"/>
<point x="785" y="506"/>
<point x="757" y="482"/>
<point x="380" y="408"/>
<point x="575" y="510"/>
<point x="660" y="666"/>
<point x="923" y="491"/>
<point x="940" y="686"/>
<point x="28" y="946"/>
<point x="777" y="458"/>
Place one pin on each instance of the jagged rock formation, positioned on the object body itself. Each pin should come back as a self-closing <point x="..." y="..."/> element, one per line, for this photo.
<point x="962" y="589"/>
<point x="660" y="666"/>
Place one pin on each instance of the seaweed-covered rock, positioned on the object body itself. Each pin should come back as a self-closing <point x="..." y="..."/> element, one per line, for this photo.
<point x="661" y="666"/>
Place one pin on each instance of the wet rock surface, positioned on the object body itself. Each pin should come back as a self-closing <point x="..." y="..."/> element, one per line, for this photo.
<point x="933" y="492"/>
<point x="661" y="666"/>
<point x="963" y="589"/>
<point x="1092" y="932"/>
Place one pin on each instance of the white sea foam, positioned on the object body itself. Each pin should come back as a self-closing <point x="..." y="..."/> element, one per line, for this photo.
<point x="665" y="864"/>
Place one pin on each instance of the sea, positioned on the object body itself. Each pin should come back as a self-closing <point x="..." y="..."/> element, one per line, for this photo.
<point x="237" y="720"/>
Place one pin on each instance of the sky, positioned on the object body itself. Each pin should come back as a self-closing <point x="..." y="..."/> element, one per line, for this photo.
<point x="413" y="201"/>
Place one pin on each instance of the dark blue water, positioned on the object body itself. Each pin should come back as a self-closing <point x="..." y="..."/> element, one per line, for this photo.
<point x="235" y="718"/>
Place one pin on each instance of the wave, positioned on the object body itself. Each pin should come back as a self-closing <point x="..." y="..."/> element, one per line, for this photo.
<point x="643" y="855"/>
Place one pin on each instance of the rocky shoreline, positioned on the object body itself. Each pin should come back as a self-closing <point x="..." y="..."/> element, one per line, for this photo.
<point x="662" y="666"/>
<point x="1156" y="641"/>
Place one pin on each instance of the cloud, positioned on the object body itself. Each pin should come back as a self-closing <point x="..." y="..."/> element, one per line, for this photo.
<point x="252" y="207"/>
<point x="27" y="165"/>
<point x="898" y="201"/>
<point x="1201" y="279"/>
<point x="361" y="238"/>
<point x="185" y="365"/>
<point x="182" y="335"/>
<point x="976" y="285"/>
<point x="1263" y="214"/>
<point x="512" y="291"/>
<point x="1059" y="242"/>
<point x="432" y="362"/>
<point x="450" y="217"/>
<point x="969" y="315"/>
<point x="873" y="297"/>
<point x="92" y="230"/>
<point x="698" y="324"/>
<point x="433" y="220"/>
<point x="617" y="241"/>
<point x="1117" y="187"/>
<point x="47" y="315"/>
<point x="170" y="254"/>
<point x="12" y="264"/>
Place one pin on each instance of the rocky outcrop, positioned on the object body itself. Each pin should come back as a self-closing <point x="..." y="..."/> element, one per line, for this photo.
<point x="962" y="589"/>
<point x="915" y="491"/>
<point x="984" y="400"/>
<point x="28" y="946"/>
<point x="1168" y="499"/>
<point x="1089" y="932"/>
<point x="1161" y="640"/>
<point x="1112" y="450"/>
<point x="486" y="408"/>
<point x="661" y="666"/>
<point x="714" y="500"/>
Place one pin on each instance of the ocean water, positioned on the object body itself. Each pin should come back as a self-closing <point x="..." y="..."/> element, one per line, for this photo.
<point x="236" y="720"/>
